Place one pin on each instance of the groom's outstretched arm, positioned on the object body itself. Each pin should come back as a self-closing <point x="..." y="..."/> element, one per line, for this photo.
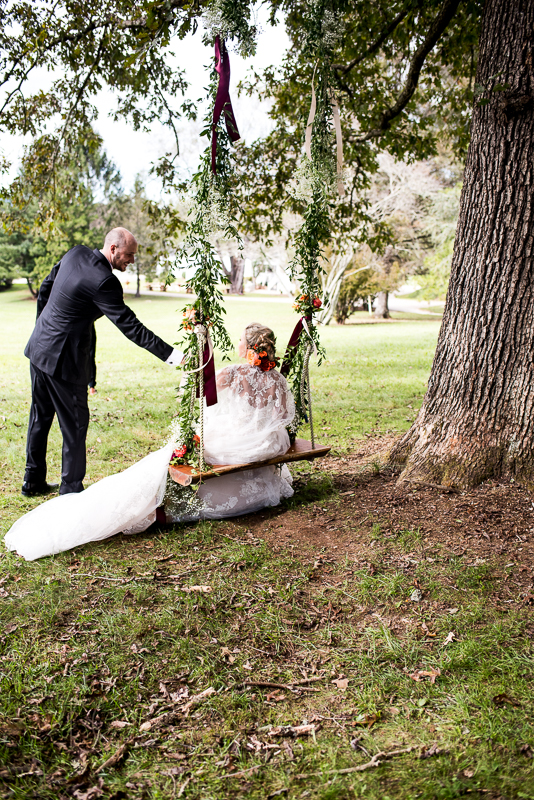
<point x="110" y="300"/>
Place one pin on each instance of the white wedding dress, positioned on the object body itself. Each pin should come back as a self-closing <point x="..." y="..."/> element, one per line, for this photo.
<point x="248" y="424"/>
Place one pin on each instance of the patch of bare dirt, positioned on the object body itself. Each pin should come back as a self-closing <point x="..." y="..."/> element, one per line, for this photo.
<point x="493" y="522"/>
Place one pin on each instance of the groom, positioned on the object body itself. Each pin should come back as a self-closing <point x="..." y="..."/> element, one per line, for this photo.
<point x="80" y="289"/>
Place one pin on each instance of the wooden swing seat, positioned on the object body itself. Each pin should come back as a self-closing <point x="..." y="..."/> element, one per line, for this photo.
<point x="300" y="450"/>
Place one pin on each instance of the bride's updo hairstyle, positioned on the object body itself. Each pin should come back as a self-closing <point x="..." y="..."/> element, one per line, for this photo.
<point x="261" y="338"/>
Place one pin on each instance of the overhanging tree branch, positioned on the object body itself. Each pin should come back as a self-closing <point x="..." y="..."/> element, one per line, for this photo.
<point x="343" y="69"/>
<point x="440" y="24"/>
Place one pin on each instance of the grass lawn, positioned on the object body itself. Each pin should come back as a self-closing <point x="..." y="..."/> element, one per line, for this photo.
<point x="280" y="654"/>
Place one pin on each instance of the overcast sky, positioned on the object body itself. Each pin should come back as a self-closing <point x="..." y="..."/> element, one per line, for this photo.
<point x="133" y="152"/>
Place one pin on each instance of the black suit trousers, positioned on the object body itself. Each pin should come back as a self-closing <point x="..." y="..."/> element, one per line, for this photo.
<point x="69" y="401"/>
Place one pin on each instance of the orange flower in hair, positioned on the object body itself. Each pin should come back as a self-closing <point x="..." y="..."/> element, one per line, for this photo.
<point x="253" y="359"/>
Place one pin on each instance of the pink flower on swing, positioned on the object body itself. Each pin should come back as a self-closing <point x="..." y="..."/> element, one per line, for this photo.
<point x="317" y="302"/>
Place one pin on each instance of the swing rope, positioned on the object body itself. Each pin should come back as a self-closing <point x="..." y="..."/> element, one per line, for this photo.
<point x="305" y="388"/>
<point x="201" y="334"/>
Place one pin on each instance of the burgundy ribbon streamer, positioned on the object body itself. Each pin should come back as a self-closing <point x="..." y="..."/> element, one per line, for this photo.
<point x="210" y="382"/>
<point x="292" y="345"/>
<point x="222" y="101"/>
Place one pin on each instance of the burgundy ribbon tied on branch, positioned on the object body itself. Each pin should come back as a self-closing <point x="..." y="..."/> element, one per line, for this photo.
<point x="292" y="344"/>
<point x="223" y="104"/>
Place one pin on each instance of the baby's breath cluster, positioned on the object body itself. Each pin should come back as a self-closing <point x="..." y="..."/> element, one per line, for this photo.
<point x="231" y="20"/>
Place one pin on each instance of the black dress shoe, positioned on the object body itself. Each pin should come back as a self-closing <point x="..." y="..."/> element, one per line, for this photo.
<point x="35" y="489"/>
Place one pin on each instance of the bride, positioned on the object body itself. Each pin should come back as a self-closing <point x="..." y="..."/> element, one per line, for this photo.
<point x="248" y="424"/>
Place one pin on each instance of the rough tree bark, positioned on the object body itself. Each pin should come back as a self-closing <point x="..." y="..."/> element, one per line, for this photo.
<point x="381" y="306"/>
<point x="477" y="418"/>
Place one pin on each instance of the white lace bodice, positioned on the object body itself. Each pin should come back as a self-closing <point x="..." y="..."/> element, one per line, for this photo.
<point x="248" y="424"/>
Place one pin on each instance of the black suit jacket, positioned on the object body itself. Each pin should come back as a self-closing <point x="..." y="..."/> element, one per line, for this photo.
<point x="79" y="290"/>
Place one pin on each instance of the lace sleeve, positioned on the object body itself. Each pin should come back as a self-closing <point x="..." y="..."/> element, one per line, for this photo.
<point x="224" y="378"/>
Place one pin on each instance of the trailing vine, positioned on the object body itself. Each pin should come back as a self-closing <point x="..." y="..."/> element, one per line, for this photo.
<point x="315" y="183"/>
<point x="211" y="216"/>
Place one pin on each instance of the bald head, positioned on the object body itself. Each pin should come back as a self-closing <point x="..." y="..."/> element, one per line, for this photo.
<point x="120" y="247"/>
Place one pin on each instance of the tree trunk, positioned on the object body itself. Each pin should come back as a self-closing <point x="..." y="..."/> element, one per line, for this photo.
<point x="477" y="417"/>
<point x="331" y="285"/>
<point x="138" y="281"/>
<point x="381" y="307"/>
<point x="237" y="272"/>
<point x="34" y="292"/>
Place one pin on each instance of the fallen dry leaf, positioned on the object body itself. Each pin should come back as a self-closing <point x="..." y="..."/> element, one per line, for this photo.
<point x="247" y="665"/>
<point x="366" y="719"/>
<point x="276" y="696"/>
<point x="117" y="756"/>
<point x="426" y="673"/>
<point x="119" y="723"/>
<point x="341" y="683"/>
<point x="503" y="699"/>
<point x="189" y="589"/>
<point x="450" y="638"/>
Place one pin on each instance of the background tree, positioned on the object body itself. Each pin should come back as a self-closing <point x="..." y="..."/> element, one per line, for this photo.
<point x="355" y="290"/>
<point x="439" y="225"/>
<point x="31" y="248"/>
<point x="133" y="211"/>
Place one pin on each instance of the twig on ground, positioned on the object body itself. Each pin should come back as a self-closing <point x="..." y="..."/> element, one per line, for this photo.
<point x="170" y="716"/>
<point x="290" y="687"/>
<point x="241" y="773"/>
<point x="374" y="762"/>
<point x="183" y="787"/>
<point x="263" y="685"/>
<point x="117" y="756"/>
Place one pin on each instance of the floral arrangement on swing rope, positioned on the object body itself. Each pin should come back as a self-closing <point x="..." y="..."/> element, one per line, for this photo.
<point x="211" y="217"/>
<point x="315" y="181"/>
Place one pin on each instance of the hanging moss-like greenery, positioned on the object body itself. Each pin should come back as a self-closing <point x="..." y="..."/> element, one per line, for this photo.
<point x="211" y="216"/>
<point x="315" y="182"/>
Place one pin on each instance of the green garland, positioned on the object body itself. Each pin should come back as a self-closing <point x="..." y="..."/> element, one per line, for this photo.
<point x="314" y="182"/>
<point x="212" y="213"/>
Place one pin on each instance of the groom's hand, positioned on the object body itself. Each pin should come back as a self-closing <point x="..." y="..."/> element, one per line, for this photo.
<point x="176" y="358"/>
